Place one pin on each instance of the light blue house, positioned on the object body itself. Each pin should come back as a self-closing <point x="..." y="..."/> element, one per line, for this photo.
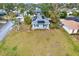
<point x="39" y="21"/>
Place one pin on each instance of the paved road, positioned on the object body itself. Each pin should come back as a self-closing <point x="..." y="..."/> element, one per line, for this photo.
<point x="5" y="29"/>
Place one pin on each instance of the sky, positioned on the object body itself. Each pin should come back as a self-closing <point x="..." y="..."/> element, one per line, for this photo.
<point x="39" y="1"/>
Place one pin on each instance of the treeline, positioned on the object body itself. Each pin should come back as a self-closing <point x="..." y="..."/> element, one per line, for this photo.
<point x="51" y="10"/>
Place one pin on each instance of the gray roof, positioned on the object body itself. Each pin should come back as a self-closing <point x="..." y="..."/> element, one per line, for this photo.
<point x="37" y="19"/>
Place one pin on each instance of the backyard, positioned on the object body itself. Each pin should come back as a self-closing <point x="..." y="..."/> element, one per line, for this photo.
<point x="39" y="42"/>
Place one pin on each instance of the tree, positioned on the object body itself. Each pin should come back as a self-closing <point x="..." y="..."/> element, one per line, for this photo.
<point x="21" y="7"/>
<point x="10" y="16"/>
<point x="30" y="12"/>
<point x="63" y="14"/>
<point x="27" y="20"/>
<point x="9" y="6"/>
<point x="75" y="13"/>
<point x="45" y="9"/>
<point x="54" y="12"/>
<point x="50" y="10"/>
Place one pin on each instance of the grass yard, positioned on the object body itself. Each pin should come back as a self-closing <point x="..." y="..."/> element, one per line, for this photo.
<point x="55" y="42"/>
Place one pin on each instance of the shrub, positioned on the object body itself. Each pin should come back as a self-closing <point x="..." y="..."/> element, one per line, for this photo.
<point x="75" y="13"/>
<point x="63" y="14"/>
<point x="52" y="26"/>
<point x="27" y="20"/>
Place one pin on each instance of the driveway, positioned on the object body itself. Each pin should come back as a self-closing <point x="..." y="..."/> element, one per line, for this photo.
<point x="1" y="25"/>
<point x="5" y="29"/>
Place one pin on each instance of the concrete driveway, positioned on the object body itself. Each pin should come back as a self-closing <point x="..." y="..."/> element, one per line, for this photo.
<point x="1" y="25"/>
<point x="4" y="29"/>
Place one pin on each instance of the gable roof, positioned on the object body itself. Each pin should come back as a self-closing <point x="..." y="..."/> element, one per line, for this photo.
<point x="39" y="18"/>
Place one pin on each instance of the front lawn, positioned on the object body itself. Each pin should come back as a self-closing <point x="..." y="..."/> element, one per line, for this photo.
<point x="39" y="42"/>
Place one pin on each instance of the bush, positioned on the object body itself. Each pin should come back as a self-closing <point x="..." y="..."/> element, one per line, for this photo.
<point x="54" y="26"/>
<point x="27" y="20"/>
<point x="75" y="13"/>
<point x="63" y="14"/>
<point x="30" y="12"/>
<point x="51" y="26"/>
<point x="46" y="14"/>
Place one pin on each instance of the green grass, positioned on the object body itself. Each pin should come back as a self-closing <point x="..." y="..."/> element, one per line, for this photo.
<point x="39" y="42"/>
<point x="72" y="41"/>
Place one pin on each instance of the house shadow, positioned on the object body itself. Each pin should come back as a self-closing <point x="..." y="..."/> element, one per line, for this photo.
<point x="75" y="34"/>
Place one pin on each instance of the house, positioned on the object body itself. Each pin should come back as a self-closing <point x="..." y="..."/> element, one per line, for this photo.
<point x="72" y="27"/>
<point x="17" y="12"/>
<point x="69" y="14"/>
<point x="39" y="21"/>
<point x="20" y="18"/>
<point x="2" y="13"/>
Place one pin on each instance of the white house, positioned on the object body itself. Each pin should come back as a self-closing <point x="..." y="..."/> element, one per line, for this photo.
<point x="39" y="21"/>
<point x="72" y="27"/>
<point x="69" y="14"/>
<point x="20" y="18"/>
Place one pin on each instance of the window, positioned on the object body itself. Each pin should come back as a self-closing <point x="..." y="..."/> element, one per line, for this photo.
<point x="36" y="25"/>
<point x="44" y="25"/>
<point x="41" y="21"/>
<point x="43" y="17"/>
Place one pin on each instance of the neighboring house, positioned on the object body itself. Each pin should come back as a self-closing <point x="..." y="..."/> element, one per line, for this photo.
<point x="2" y="13"/>
<point x="17" y="12"/>
<point x="39" y="21"/>
<point x="20" y="18"/>
<point x="72" y="27"/>
<point x="69" y="14"/>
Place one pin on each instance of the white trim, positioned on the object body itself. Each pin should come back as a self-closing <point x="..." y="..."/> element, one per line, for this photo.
<point x="69" y="30"/>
